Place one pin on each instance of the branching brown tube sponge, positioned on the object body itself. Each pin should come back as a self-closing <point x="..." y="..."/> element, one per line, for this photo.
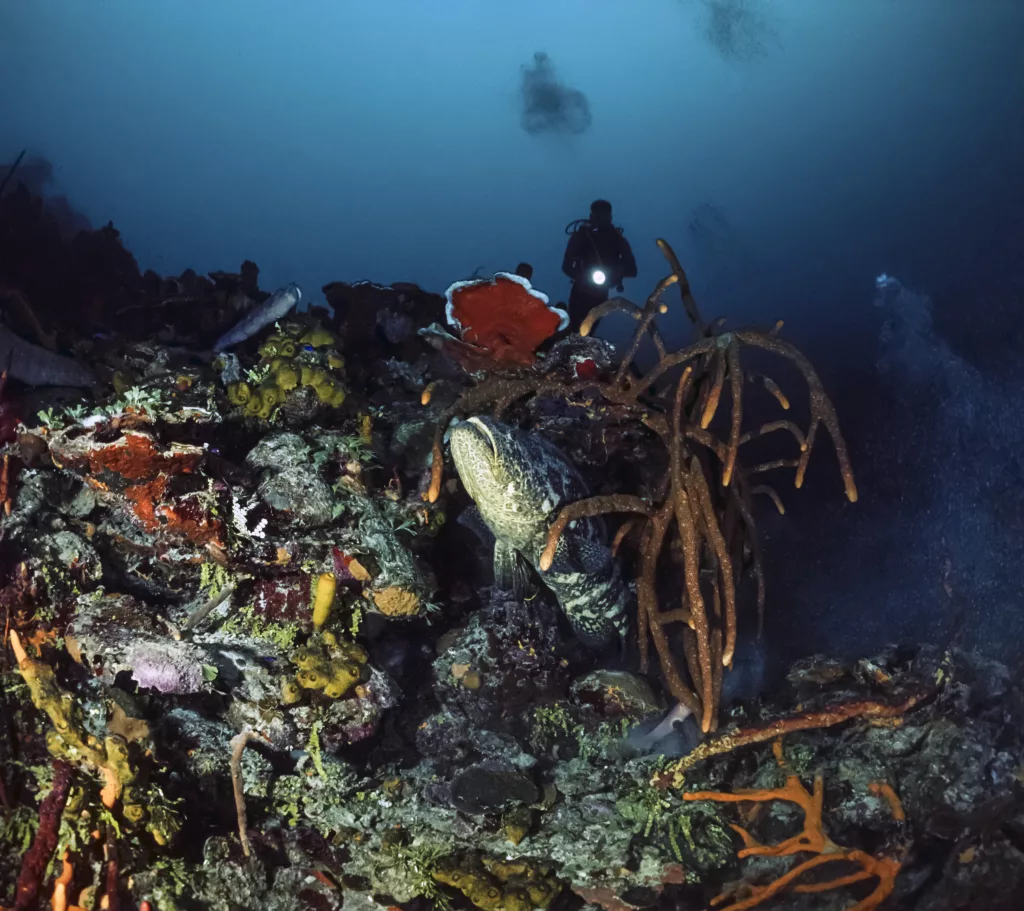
<point x="706" y="494"/>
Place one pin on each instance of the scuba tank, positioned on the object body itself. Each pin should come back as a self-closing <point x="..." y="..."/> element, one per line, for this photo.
<point x="575" y="226"/>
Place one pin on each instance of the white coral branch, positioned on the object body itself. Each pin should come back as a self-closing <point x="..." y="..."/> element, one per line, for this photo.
<point x="240" y="519"/>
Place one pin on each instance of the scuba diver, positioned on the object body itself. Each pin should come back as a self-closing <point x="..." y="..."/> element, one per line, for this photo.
<point x="597" y="258"/>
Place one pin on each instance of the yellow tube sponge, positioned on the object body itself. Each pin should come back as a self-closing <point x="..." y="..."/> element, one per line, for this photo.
<point x="239" y="393"/>
<point x="343" y="678"/>
<point x="334" y="669"/>
<point x="324" y="599"/>
<point x="270" y="395"/>
<point x="312" y="376"/>
<point x="291" y="692"/>
<point x="286" y="376"/>
<point x="317" y="338"/>
<point x="325" y="391"/>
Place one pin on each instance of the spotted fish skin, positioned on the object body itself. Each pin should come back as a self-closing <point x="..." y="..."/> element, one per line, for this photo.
<point x="519" y="482"/>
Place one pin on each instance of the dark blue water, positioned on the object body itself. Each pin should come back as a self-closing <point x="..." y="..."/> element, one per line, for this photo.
<point x="791" y="151"/>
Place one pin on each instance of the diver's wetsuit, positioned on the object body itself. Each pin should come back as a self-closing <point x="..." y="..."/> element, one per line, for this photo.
<point x="583" y="297"/>
<point x="591" y="248"/>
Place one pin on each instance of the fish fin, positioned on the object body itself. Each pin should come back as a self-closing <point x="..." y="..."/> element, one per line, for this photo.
<point x="511" y="572"/>
<point x="629" y="648"/>
<point x="522" y="581"/>
<point x="504" y="565"/>
<point x="471" y="519"/>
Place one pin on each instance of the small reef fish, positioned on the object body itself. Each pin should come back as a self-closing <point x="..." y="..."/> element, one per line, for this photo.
<point x="270" y="311"/>
<point x="519" y="482"/>
<point x="38" y="367"/>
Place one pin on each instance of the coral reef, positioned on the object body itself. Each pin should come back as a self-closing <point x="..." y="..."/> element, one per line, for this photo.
<point x="707" y="495"/>
<point x="250" y="658"/>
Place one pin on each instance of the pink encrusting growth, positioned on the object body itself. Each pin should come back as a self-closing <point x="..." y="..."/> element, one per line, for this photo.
<point x="505" y="316"/>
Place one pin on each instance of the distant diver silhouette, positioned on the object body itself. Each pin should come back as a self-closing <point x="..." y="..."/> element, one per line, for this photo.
<point x="597" y="258"/>
<point x="525" y="270"/>
<point x="548" y="106"/>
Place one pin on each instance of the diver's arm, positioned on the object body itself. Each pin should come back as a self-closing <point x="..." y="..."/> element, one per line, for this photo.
<point x="571" y="257"/>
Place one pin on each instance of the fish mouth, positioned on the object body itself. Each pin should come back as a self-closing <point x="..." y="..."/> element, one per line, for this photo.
<point x="486" y="431"/>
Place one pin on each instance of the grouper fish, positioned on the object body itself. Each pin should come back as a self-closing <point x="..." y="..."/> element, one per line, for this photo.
<point x="519" y="481"/>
